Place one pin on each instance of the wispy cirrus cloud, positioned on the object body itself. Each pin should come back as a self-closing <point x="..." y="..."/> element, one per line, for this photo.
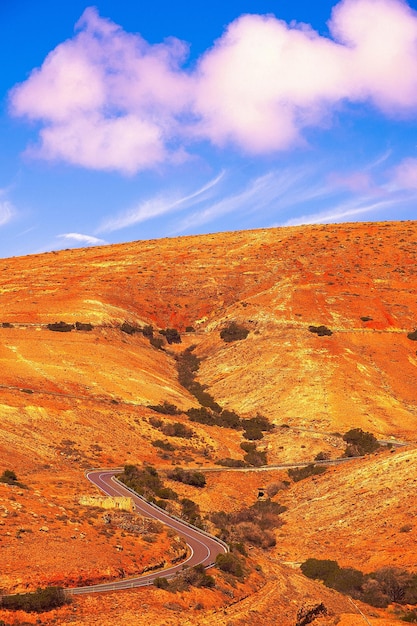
<point x="87" y="240"/>
<point x="159" y="205"/>
<point x="345" y="211"/>
<point x="7" y="211"/>
<point x="108" y="100"/>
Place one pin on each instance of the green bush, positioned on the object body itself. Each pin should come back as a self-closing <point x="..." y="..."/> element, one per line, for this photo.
<point x="146" y="482"/>
<point x="195" y="479"/>
<point x="360" y="442"/>
<point x="412" y="336"/>
<point x="37" y="602"/>
<point x="230" y="564"/>
<point x="161" y="582"/>
<point x="319" y="569"/>
<point x="300" y="473"/>
<point x="234" y="332"/>
<point x="191" y="512"/>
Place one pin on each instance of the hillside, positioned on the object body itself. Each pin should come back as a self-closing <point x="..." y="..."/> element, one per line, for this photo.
<point x="74" y="400"/>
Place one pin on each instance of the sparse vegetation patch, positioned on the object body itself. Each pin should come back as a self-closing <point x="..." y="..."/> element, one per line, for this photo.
<point x="37" y="602"/>
<point x="379" y="588"/>
<point x="300" y="473"/>
<point x="234" y="332"/>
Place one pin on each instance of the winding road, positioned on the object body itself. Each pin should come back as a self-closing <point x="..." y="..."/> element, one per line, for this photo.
<point x="203" y="548"/>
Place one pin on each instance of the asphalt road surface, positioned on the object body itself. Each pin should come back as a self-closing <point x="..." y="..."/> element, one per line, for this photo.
<point x="203" y="548"/>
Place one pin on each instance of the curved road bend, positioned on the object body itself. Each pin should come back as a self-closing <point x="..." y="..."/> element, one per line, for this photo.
<point x="203" y="548"/>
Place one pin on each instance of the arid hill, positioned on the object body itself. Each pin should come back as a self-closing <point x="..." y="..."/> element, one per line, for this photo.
<point x="329" y="313"/>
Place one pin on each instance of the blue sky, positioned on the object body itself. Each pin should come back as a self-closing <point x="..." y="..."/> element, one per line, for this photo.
<point x="135" y="120"/>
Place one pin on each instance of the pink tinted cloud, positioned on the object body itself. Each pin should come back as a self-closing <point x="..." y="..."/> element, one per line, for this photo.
<point x="107" y="99"/>
<point x="357" y="182"/>
<point x="405" y="174"/>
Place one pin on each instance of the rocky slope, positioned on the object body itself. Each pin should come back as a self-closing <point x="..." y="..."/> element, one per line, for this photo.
<point x="73" y="400"/>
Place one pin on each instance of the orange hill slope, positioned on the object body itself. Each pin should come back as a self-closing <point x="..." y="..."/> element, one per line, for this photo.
<point x="78" y="399"/>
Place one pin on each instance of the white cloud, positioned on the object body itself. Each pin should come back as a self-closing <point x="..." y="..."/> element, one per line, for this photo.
<point x="107" y="99"/>
<point x="84" y="239"/>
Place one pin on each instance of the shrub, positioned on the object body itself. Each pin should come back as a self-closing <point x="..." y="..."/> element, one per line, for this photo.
<point x="83" y="326"/>
<point x="308" y="614"/>
<point x="156" y="342"/>
<point x="253" y="433"/>
<point x="161" y="582"/>
<point x="171" y="335"/>
<point x="8" y="477"/>
<point x="191" y="512"/>
<point x="147" y="331"/>
<point x="321" y="331"/>
<point x="230" y="564"/>
<point x="251" y="525"/>
<point x="234" y="332"/>
<point x="388" y="584"/>
<point x="410" y="617"/>
<point x="163" y="445"/>
<point x="256" y="458"/>
<point x="61" y="327"/>
<point x="319" y="569"/>
<point x="189" y="329"/>
<point x="322" y="456"/>
<point x="360" y="442"/>
<point x="253" y="456"/>
<point x="201" y="415"/>
<point x="146" y="482"/>
<point x="177" y="429"/>
<point x="128" y="328"/>
<point x="37" y="602"/>
<point x="228" y="462"/>
<point x="196" y="479"/>
<point x="166" y="408"/>
<point x="229" y="419"/>
<point x="300" y="473"/>
<point x="412" y="336"/>
<point x="273" y="488"/>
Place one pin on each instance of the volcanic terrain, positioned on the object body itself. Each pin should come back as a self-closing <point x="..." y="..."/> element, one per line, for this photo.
<point x="81" y="371"/>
